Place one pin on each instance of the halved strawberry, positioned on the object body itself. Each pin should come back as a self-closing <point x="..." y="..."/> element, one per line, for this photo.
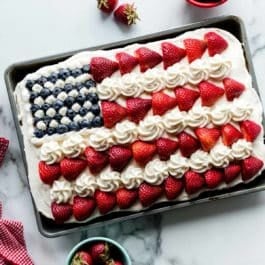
<point x="250" y="130"/>
<point x="112" y="113"/>
<point x="186" y="98"/>
<point x="251" y="167"/>
<point x="215" y="43"/>
<point x="71" y="168"/>
<point x="137" y="108"/>
<point x="161" y="103"/>
<point x="166" y="147"/>
<point x="101" y="68"/>
<point x="230" y="134"/>
<point x="96" y="160"/>
<point x="143" y="152"/>
<point x="173" y="187"/>
<point x="171" y="54"/>
<point x="119" y="157"/>
<point x="49" y="173"/>
<point x="209" y="93"/>
<point x="83" y="207"/>
<point x="61" y="212"/>
<point x="232" y="171"/>
<point x="126" y="62"/>
<point x="187" y="144"/>
<point x="126" y="198"/>
<point x="213" y="178"/>
<point x="106" y="201"/>
<point x="147" y="58"/>
<point x="208" y="137"/>
<point x="194" y="48"/>
<point x="193" y="182"/>
<point x="148" y="194"/>
<point x="233" y="89"/>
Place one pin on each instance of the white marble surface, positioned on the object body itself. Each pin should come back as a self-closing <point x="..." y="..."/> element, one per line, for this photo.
<point x="229" y="232"/>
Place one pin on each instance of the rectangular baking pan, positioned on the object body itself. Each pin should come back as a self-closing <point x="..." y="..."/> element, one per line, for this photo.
<point x="18" y="71"/>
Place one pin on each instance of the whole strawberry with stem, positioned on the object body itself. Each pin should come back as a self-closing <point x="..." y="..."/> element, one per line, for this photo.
<point x="82" y="258"/>
<point x="100" y="252"/>
<point x="126" y="14"/>
<point x="107" y="6"/>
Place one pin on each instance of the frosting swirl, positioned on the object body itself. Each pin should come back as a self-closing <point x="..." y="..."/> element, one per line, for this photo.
<point x="101" y="139"/>
<point x="85" y="185"/>
<point x="219" y="67"/>
<point x="51" y="152"/>
<point x="61" y="191"/>
<point x="125" y="132"/>
<point x="242" y="149"/>
<point x="199" y="161"/>
<point x="221" y="155"/>
<point x="151" y="81"/>
<point x="239" y="111"/>
<point x="174" y="121"/>
<point x="220" y="116"/>
<point x="155" y="172"/>
<point x="132" y="177"/>
<point x="198" y="72"/>
<point x="74" y="146"/>
<point x="198" y="116"/>
<point x="177" y="165"/>
<point x="109" y="181"/>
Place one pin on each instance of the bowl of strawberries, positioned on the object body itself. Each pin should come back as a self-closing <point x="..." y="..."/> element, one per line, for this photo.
<point x="98" y="251"/>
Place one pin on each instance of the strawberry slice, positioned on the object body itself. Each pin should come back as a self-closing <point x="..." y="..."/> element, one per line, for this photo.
<point x="126" y="62"/>
<point x="187" y="144"/>
<point x="106" y="201"/>
<point x="83" y="207"/>
<point x="233" y="89"/>
<point x="96" y="160"/>
<point x="137" y="108"/>
<point x="148" y="194"/>
<point x="71" y="168"/>
<point x="171" y="54"/>
<point x="213" y="178"/>
<point x="194" y="48"/>
<point x="112" y="113"/>
<point x="101" y="68"/>
<point x="210" y="93"/>
<point x="143" y="152"/>
<point x="49" y="173"/>
<point x="230" y="134"/>
<point x="61" y="212"/>
<point x="208" y="137"/>
<point x="166" y="147"/>
<point x="147" y="58"/>
<point x="173" y="187"/>
<point x="119" y="157"/>
<point x="215" y="43"/>
<point x="250" y="130"/>
<point x="251" y="167"/>
<point x="186" y="98"/>
<point x="231" y="172"/>
<point x="126" y="198"/>
<point x="161" y="103"/>
<point x="193" y="182"/>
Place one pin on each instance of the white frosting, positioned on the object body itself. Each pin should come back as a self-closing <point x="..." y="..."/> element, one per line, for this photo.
<point x="61" y="191"/>
<point x="177" y="165"/>
<point x="155" y="172"/>
<point x="85" y="185"/>
<point x="200" y="161"/>
<point x="221" y="155"/>
<point x="74" y="146"/>
<point x="125" y="132"/>
<point x="132" y="177"/>
<point x="101" y="140"/>
<point x="51" y="152"/>
<point x="242" y="149"/>
<point x="109" y="181"/>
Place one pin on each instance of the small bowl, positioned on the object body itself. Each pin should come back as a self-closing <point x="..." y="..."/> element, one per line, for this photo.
<point x="85" y="244"/>
<point x="206" y="5"/>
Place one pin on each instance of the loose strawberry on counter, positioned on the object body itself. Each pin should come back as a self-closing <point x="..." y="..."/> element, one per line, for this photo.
<point x="126" y="14"/>
<point x="107" y="6"/>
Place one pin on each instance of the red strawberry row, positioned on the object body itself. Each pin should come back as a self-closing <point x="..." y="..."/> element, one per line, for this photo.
<point x="137" y="108"/>
<point x="147" y="194"/>
<point x="102" y="68"/>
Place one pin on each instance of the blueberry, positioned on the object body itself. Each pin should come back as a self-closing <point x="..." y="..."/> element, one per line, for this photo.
<point x="90" y="83"/>
<point x="95" y="109"/>
<point x="53" y="77"/>
<point x="68" y="88"/>
<point x="42" y="80"/>
<point x="69" y="101"/>
<point x="45" y="92"/>
<point x="85" y="124"/>
<point x="94" y="98"/>
<point x="70" y="113"/>
<point x="39" y="133"/>
<point x="78" y="86"/>
<point x="62" y="129"/>
<point x="73" y="126"/>
<point x="46" y="106"/>
<point x="34" y="108"/>
<point x="56" y="91"/>
<point x="32" y="96"/>
<point x="97" y="122"/>
<point x="46" y="120"/>
<point x="36" y="120"/>
<point x="57" y="117"/>
<point x="30" y="84"/>
<point x="51" y="130"/>
<point x="81" y="99"/>
<point x="76" y="72"/>
<point x="86" y="68"/>
<point x="64" y="73"/>
<point x="83" y="111"/>
<point x="58" y="104"/>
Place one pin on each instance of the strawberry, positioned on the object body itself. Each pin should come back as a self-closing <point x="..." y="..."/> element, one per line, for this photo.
<point x="233" y="89"/>
<point x="161" y="103"/>
<point x="83" y="207"/>
<point x="166" y="147"/>
<point x="208" y="137"/>
<point x="114" y="262"/>
<point x="112" y="113"/>
<point x="186" y="98"/>
<point x="213" y="178"/>
<point x="193" y="182"/>
<point x="119" y="157"/>
<point x="61" y="212"/>
<point x="4" y="143"/>
<point x="107" y="6"/>
<point x="126" y="14"/>
<point x="137" y="108"/>
<point x="148" y="194"/>
<point x="173" y="187"/>
<point x="147" y="58"/>
<point x="231" y="172"/>
<point x="100" y="252"/>
<point x="194" y="48"/>
<point x="126" y="198"/>
<point x="106" y="201"/>
<point x="82" y="258"/>
<point x="251" y="167"/>
<point x="171" y="54"/>
<point x="250" y="130"/>
<point x="187" y="144"/>
<point x="49" y="173"/>
<point x="96" y="160"/>
<point x="215" y="43"/>
<point x="72" y="167"/>
<point x="143" y="152"/>
<point x="126" y="62"/>
<point x="210" y="93"/>
<point x="230" y="134"/>
<point x="101" y="68"/>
